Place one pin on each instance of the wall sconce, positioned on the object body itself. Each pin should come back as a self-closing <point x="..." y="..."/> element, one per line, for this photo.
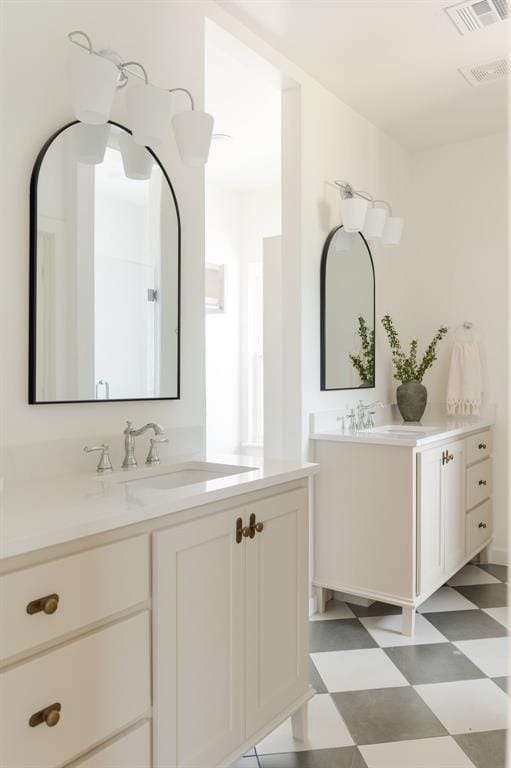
<point x="97" y="75"/>
<point x="362" y="213"/>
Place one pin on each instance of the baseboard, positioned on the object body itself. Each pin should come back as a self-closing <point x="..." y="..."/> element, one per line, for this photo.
<point x="498" y="556"/>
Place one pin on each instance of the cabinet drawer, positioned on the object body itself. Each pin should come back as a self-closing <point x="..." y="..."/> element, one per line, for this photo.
<point x="91" y="586"/>
<point x="132" y="750"/>
<point x="102" y="683"/>
<point x="479" y="483"/>
<point x="479" y="526"/>
<point x="478" y="446"/>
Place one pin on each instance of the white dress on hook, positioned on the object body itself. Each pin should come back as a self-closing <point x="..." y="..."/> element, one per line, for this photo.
<point x="464" y="388"/>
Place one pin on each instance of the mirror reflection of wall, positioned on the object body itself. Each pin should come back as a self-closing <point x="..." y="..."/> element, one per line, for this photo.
<point x="106" y="264"/>
<point x="347" y="312"/>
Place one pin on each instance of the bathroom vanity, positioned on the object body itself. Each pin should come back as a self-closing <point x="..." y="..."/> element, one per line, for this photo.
<point x="155" y="617"/>
<point x="398" y="509"/>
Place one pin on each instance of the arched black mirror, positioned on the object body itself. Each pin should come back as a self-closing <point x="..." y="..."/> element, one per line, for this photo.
<point x="347" y="312"/>
<point x="104" y="270"/>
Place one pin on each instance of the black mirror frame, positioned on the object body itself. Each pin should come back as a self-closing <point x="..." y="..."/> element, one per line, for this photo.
<point x="324" y="257"/>
<point x="32" y="333"/>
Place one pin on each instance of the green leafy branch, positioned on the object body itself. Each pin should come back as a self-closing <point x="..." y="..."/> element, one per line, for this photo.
<point x="407" y="368"/>
<point x="364" y="362"/>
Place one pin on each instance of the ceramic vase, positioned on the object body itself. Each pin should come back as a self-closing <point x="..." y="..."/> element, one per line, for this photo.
<point x="412" y="398"/>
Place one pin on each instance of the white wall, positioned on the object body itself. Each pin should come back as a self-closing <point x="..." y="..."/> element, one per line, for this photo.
<point x="458" y="270"/>
<point x="337" y="143"/>
<point x="223" y="367"/>
<point x="168" y="38"/>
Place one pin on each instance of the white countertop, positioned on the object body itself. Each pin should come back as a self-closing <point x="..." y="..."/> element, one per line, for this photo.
<point x="433" y="429"/>
<point x="35" y="514"/>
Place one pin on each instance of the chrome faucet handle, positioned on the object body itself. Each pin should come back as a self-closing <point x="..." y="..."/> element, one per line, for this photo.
<point x="153" y="456"/>
<point x="104" y="463"/>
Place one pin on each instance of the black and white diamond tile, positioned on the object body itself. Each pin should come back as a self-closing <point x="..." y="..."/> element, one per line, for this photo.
<point x="385" y="700"/>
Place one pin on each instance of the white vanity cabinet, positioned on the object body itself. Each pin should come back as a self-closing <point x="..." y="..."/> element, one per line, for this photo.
<point x="176" y="642"/>
<point x="394" y="522"/>
<point x="230" y="622"/>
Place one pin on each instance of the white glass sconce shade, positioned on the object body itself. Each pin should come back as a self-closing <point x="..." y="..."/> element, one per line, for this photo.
<point x="136" y="160"/>
<point x="393" y="230"/>
<point x="91" y="143"/>
<point x="343" y="241"/>
<point x="94" y="80"/>
<point x="149" y="110"/>
<point x="375" y="222"/>
<point x="193" y="131"/>
<point x="353" y="212"/>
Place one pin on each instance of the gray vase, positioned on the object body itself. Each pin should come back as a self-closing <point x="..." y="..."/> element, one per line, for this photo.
<point x="411" y="400"/>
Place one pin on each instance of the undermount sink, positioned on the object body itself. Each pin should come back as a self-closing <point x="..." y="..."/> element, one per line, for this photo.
<point x="185" y="474"/>
<point x="401" y="431"/>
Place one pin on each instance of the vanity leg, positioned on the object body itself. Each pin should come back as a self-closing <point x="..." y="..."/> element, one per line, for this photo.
<point x="483" y="556"/>
<point x="408" y="625"/>
<point x="300" y="723"/>
<point x="321" y="599"/>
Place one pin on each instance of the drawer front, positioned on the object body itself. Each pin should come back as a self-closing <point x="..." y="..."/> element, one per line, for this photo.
<point x="101" y="681"/>
<point x="91" y="586"/>
<point x="479" y="446"/>
<point x="479" y="483"/>
<point x="479" y="527"/>
<point x="132" y="750"/>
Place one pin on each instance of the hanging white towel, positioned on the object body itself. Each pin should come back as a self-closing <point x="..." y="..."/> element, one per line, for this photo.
<point x="464" y="389"/>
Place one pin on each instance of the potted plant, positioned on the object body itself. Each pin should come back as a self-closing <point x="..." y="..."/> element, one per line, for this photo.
<point x="411" y="395"/>
<point x="364" y="362"/>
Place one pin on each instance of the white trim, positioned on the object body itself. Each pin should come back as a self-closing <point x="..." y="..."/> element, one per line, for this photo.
<point x="313" y="606"/>
<point x="498" y="556"/>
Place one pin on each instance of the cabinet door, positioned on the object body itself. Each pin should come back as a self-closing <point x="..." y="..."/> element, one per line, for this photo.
<point x="453" y="506"/>
<point x="430" y="556"/>
<point x="276" y="607"/>
<point x="198" y="614"/>
<point x="441" y="514"/>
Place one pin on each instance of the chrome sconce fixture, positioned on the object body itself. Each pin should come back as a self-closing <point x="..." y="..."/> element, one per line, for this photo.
<point x="97" y="75"/>
<point x="362" y="213"/>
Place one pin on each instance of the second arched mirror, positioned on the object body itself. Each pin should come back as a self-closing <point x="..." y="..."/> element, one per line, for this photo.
<point x="347" y="312"/>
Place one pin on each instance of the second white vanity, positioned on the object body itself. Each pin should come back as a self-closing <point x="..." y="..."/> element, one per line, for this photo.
<point x="149" y="623"/>
<point x="398" y="509"/>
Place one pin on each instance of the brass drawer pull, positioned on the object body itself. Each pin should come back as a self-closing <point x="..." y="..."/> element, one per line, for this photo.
<point x="249" y="531"/>
<point x="48" y="605"/>
<point x="239" y="530"/>
<point x="49" y="715"/>
<point x="447" y="457"/>
<point x="482" y="525"/>
<point x="482" y="482"/>
<point x="482" y="446"/>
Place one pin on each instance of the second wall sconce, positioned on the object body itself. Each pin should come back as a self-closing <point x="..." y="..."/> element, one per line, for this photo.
<point x="362" y="213"/>
<point x="97" y="75"/>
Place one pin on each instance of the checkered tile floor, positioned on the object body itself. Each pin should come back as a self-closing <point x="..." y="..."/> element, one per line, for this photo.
<point x="384" y="700"/>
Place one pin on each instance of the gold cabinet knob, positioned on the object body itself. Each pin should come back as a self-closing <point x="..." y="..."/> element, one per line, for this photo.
<point x="482" y="525"/>
<point x="47" y="604"/>
<point x="482" y="446"/>
<point x="49" y="715"/>
<point x="52" y="717"/>
<point x="50" y="604"/>
<point x="259" y="527"/>
<point x="482" y="482"/>
<point x="247" y="532"/>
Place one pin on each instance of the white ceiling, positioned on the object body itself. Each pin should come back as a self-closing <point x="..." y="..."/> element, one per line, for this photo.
<point x="246" y="107"/>
<point x="394" y="61"/>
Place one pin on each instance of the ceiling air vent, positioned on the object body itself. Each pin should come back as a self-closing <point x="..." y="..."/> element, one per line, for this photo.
<point x="471" y="16"/>
<point x="488" y="72"/>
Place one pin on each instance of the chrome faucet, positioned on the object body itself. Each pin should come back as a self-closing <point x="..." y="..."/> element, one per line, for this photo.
<point x="129" y="443"/>
<point x="365" y="414"/>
